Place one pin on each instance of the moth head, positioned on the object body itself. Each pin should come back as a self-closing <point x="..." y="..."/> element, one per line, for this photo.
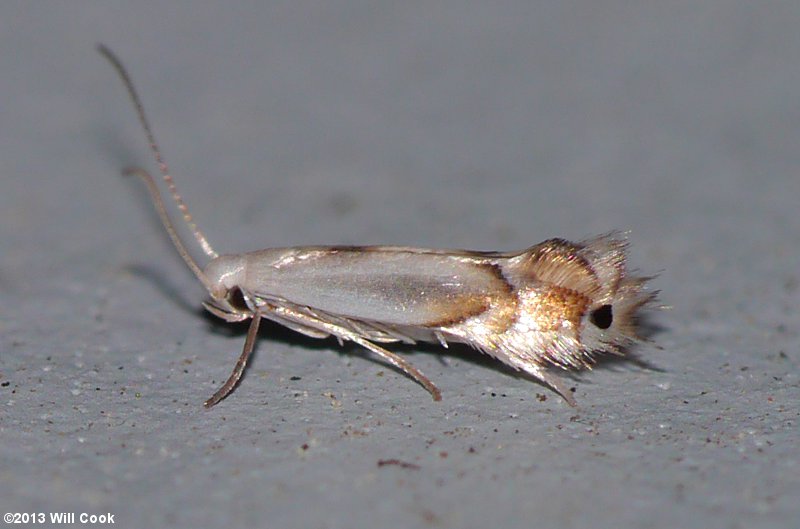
<point x="225" y="276"/>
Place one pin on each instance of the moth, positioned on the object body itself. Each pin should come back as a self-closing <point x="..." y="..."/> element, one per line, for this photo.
<point x="557" y="303"/>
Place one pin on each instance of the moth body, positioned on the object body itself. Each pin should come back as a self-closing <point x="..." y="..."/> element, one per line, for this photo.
<point x="557" y="303"/>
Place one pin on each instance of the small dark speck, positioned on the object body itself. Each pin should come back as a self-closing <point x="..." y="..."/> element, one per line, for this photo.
<point x="743" y="368"/>
<point x="5" y="384"/>
<point x="573" y="389"/>
<point x="397" y="462"/>
<point x="304" y="446"/>
<point x="541" y="397"/>
<point x="493" y="394"/>
<point x="782" y="355"/>
<point x="295" y="378"/>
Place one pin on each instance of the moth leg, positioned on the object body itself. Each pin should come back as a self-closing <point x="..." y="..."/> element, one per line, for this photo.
<point x="238" y="369"/>
<point x="342" y="333"/>
<point x="400" y="364"/>
<point x="313" y="332"/>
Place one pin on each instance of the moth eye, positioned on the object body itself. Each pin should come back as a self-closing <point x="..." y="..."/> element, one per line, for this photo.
<point x="236" y="299"/>
<point x="602" y="317"/>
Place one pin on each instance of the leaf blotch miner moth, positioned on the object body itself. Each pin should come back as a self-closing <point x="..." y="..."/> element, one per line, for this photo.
<point x="555" y="304"/>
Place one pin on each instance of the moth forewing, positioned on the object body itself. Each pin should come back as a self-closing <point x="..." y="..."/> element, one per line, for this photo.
<point x="391" y="285"/>
<point x="556" y="303"/>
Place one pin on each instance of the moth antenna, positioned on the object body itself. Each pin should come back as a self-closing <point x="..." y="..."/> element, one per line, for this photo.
<point x="162" y="166"/>
<point x="165" y="220"/>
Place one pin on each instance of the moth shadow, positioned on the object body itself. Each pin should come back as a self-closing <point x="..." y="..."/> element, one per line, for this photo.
<point x="173" y="294"/>
<point x="647" y="329"/>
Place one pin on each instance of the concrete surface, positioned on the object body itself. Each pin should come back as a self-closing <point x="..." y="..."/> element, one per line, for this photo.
<point x="488" y="125"/>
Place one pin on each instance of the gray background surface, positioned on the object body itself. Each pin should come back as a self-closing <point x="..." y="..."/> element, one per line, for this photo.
<point x="450" y="124"/>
